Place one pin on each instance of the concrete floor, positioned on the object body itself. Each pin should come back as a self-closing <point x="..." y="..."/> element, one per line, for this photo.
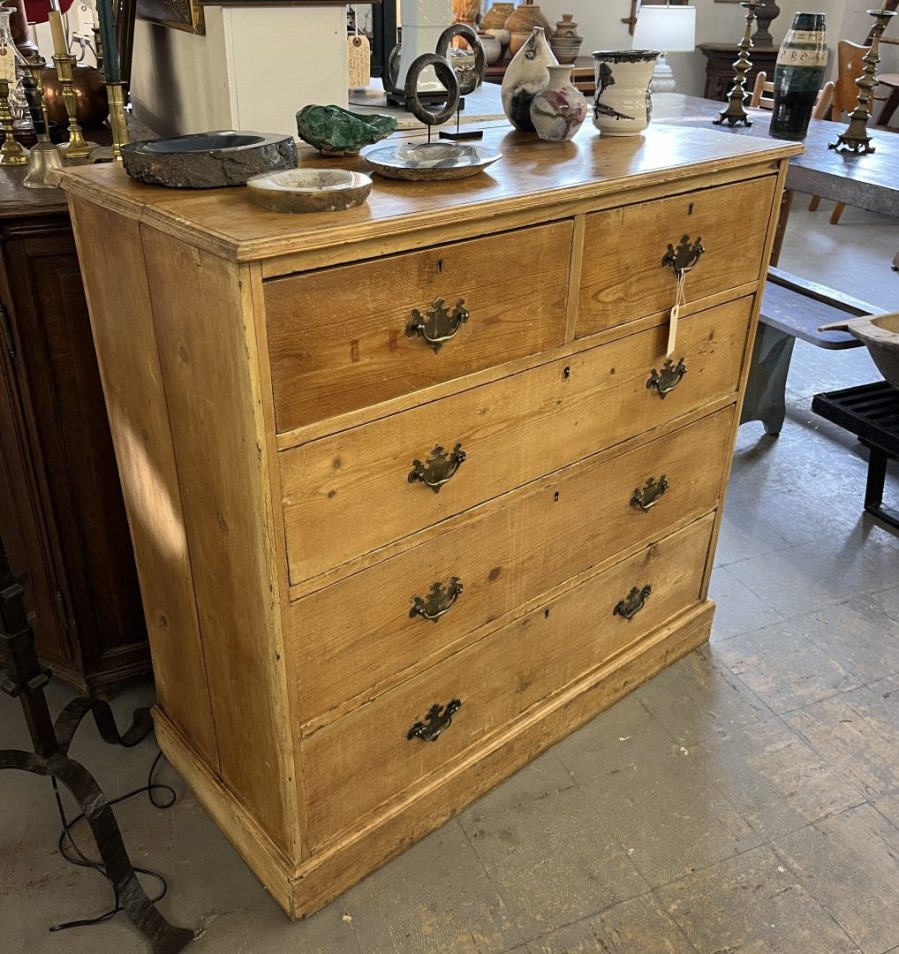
<point x="745" y="800"/>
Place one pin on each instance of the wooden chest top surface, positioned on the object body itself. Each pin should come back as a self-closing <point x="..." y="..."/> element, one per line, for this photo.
<point x="529" y="175"/>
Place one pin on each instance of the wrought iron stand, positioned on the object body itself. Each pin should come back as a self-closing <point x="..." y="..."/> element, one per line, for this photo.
<point x="26" y="679"/>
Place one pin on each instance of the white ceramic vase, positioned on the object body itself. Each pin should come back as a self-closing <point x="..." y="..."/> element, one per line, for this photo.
<point x="559" y="110"/>
<point x="526" y="75"/>
<point x="623" y="105"/>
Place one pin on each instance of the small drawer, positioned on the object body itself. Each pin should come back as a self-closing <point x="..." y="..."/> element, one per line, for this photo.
<point x="351" y="336"/>
<point x="623" y="276"/>
<point x="355" y="638"/>
<point x="380" y="750"/>
<point x="356" y="491"/>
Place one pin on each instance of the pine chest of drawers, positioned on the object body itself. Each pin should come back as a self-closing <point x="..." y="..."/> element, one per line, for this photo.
<point x="415" y="489"/>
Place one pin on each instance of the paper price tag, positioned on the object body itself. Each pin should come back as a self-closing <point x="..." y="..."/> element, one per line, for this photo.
<point x="358" y="57"/>
<point x="680" y="301"/>
<point x="8" y="66"/>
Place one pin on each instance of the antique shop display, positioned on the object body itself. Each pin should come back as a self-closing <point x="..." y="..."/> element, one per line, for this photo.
<point x="799" y="76"/>
<point x="62" y="517"/>
<point x="566" y="41"/>
<point x="335" y="131"/>
<point x="855" y="138"/>
<point x="623" y="104"/>
<point x="428" y="162"/>
<point x="45" y="158"/>
<point x="208" y="160"/>
<point x="521" y="23"/>
<point x="76" y="148"/>
<point x="558" y="111"/>
<point x="309" y="190"/>
<point x="735" y="113"/>
<point x="526" y="75"/>
<point x="391" y="575"/>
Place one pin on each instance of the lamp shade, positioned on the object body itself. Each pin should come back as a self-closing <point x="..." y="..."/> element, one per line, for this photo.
<point x="671" y="29"/>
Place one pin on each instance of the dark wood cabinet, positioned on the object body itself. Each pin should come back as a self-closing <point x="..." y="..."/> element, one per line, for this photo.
<point x="719" y="71"/>
<point x="62" y="517"/>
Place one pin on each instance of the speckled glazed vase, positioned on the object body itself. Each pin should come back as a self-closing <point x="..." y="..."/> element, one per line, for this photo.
<point x="526" y="75"/>
<point x="623" y="105"/>
<point x="559" y="110"/>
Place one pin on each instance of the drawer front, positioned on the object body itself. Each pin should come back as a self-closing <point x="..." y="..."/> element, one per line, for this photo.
<point x="347" y="337"/>
<point x="380" y="750"/>
<point x="362" y="633"/>
<point x="350" y="493"/>
<point x="623" y="278"/>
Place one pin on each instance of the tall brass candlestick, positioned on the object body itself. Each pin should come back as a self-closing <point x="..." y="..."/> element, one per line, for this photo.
<point x="12" y="152"/>
<point x="77" y="149"/>
<point x="735" y="113"/>
<point x="855" y="137"/>
<point x="115" y="93"/>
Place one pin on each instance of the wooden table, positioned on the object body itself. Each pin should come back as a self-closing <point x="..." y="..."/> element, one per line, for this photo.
<point x="868" y="182"/>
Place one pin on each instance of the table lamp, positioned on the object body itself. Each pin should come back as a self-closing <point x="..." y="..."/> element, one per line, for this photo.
<point x="666" y="28"/>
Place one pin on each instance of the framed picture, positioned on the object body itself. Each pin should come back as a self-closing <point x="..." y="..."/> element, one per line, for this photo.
<point x="177" y="14"/>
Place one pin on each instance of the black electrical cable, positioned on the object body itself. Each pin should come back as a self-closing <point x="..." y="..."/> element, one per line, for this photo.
<point x="71" y="853"/>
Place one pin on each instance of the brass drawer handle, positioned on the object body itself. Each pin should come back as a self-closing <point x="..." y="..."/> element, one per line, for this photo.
<point x="685" y="257"/>
<point x="439" y="469"/>
<point x="438" y="602"/>
<point x="438" y="718"/>
<point x="666" y="380"/>
<point x="651" y="493"/>
<point x="633" y="602"/>
<point x="438" y="325"/>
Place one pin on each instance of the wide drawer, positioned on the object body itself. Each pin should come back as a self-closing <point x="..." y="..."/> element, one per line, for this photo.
<point x="364" y="632"/>
<point x="376" y="752"/>
<point x="350" y="493"/>
<point x="346" y="337"/>
<point x="623" y="276"/>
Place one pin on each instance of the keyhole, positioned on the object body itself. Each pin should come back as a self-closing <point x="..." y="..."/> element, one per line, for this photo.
<point x="556" y="496"/>
<point x="690" y="210"/>
<point x="440" y="262"/>
<point x="566" y="372"/>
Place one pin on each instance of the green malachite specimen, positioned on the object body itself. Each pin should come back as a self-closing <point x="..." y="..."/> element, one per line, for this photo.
<point x="338" y="132"/>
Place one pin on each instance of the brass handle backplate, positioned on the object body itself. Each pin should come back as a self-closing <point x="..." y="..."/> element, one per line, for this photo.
<point x="438" y="718"/>
<point x="437" y="325"/>
<point x="633" y="602"/>
<point x="439" y="468"/>
<point x="666" y="380"/>
<point x="650" y="494"/>
<point x="685" y="257"/>
<point x="438" y="602"/>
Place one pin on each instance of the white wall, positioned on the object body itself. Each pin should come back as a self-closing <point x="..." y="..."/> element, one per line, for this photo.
<point x="254" y="69"/>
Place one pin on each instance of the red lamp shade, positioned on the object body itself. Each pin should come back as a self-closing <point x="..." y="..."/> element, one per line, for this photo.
<point x="37" y="11"/>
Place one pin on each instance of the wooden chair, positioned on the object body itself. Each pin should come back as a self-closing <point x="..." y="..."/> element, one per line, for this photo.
<point x="763" y="96"/>
<point x="845" y="94"/>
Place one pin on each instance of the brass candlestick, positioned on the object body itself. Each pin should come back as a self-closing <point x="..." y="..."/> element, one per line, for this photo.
<point x="12" y="152"/>
<point x="45" y="156"/>
<point x="77" y="149"/>
<point x="117" y="122"/>
<point x="735" y="113"/>
<point x="855" y="138"/>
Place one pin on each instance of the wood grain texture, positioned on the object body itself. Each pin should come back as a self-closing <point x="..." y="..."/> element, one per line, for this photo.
<point x="337" y="337"/>
<point x="622" y="277"/>
<point x="354" y="761"/>
<point x="504" y="559"/>
<point x="513" y="431"/>
<point x="116" y="288"/>
<point x="530" y="177"/>
<point x="207" y="361"/>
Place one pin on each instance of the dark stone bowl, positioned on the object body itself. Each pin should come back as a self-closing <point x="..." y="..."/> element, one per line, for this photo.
<point x="208" y="160"/>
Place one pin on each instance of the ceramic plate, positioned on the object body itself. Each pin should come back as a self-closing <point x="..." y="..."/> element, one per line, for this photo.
<point x="428" y="161"/>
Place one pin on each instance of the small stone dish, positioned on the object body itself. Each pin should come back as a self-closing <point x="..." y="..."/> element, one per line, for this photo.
<point x="309" y="190"/>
